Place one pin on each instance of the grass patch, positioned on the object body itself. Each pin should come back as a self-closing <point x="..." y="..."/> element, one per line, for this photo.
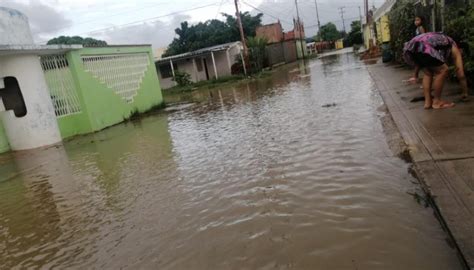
<point x="216" y="82"/>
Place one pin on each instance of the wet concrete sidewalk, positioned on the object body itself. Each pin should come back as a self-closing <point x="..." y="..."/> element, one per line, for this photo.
<point x="441" y="144"/>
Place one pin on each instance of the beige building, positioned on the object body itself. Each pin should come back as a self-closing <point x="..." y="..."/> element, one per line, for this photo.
<point x="204" y="64"/>
<point x="157" y="53"/>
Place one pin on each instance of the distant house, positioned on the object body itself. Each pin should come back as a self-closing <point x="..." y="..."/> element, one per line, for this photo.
<point x="273" y="32"/>
<point x="203" y="64"/>
<point x="283" y="47"/>
<point x="157" y="53"/>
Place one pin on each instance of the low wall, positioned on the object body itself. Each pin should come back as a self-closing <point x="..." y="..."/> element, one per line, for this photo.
<point x="282" y="52"/>
<point x="94" y="88"/>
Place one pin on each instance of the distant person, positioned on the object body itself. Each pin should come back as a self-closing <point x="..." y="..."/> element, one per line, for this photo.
<point x="431" y="52"/>
<point x="420" y="29"/>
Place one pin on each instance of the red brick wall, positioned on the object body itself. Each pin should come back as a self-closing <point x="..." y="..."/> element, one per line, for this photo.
<point x="272" y="32"/>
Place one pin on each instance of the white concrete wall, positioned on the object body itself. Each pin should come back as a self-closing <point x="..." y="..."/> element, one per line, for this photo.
<point x="200" y="75"/>
<point x="165" y="83"/>
<point x="222" y="64"/>
<point x="14" y="28"/>
<point x="39" y="126"/>
<point x="186" y="65"/>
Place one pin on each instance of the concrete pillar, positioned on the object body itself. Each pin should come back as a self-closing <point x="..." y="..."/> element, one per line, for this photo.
<point x="214" y="64"/>
<point x="195" y="72"/>
<point x="39" y="126"/>
<point x="228" y="60"/>
<point x="14" y="27"/>
<point x="172" y="71"/>
<point x="243" y="63"/>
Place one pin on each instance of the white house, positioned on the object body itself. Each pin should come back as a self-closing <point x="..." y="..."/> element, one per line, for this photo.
<point x="203" y="64"/>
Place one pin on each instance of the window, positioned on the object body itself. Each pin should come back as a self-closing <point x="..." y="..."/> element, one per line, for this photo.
<point x="165" y="70"/>
<point x="61" y="84"/>
<point x="12" y="98"/>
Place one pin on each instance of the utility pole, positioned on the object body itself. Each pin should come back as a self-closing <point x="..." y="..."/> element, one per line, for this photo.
<point x="361" y="27"/>
<point x="317" y="16"/>
<point x="342" y="11"/>
<point x="242" y="36"/>
<point x="299" y="27"/>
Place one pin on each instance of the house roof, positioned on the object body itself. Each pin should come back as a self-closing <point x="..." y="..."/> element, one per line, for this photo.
<point x="216" y="48"/>
<point x="36" y="49"/>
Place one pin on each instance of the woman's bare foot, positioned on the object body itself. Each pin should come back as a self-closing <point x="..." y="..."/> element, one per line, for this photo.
<point x="427" y="105"/>
<point x="441" y="104"/>
<point x="412" y="80"/>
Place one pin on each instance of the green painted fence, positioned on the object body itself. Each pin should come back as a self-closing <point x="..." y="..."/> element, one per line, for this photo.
<point x="111" y="84"/>
<point x="94" y="88"/>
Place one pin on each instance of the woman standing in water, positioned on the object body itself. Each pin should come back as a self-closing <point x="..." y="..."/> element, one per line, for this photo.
<point x="431" y="52"/>
<point x="420" y="29"/>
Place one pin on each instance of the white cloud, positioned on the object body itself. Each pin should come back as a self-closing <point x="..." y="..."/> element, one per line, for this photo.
<point x="158" y="33"/>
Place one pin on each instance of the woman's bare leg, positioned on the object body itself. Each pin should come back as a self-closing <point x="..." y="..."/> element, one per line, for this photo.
<point x="441" y="73"/>
<point x="427" y="82"/>
<point x="417" y="73"/>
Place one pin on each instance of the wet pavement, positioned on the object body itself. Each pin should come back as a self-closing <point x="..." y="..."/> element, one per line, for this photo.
<point x="440" y="144"/>
<point x="292" y="171"/>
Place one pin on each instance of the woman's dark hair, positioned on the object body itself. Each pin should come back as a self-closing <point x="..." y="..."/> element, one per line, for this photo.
<point x="422" y="19"/>
<point x="423" y="22"/>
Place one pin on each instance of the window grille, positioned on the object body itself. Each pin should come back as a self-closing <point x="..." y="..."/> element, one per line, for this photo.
<point x="61" y="85"/>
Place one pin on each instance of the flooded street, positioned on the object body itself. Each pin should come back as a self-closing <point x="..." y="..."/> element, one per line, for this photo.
<point x="292" y="171"/>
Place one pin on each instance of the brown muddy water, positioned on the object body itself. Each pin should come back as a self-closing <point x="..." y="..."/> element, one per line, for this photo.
<point x="259" y="175"/>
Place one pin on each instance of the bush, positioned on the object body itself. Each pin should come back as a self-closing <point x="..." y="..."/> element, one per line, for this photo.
<point x="459" y="25"/>
<point x="257" y="54"/>
<point x="402" y="28"/>
<point x="182" y="78"/>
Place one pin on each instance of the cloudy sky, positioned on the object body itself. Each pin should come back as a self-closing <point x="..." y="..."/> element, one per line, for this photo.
<point x="153" y="21"/>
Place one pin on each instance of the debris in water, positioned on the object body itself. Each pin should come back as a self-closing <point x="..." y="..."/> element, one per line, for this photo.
<point x="329" y="105"/>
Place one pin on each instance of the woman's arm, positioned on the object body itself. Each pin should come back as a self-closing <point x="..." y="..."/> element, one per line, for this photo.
<point x="459" y="65"/>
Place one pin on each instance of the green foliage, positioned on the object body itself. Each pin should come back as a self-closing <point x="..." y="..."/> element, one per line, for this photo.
<point x="86" y="42"/>
<point x="257" y="55"/>
<point x="211" y="32"/>
<point x="328" y="32"/>
<point x="354" y="36"/>
<point x="402" y="29"/>
<point x="317" y="38"/>
<point x="459" y="26"/>
<point x="182" y="78"/>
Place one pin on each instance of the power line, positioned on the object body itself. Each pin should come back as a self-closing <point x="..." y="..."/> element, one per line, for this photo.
<point x="333" y="21"/>
<point x="152" y="19"/>
<point x="266" y="13"/>
<point x="317" y="16"/>
<point x="219" y="9"/>
<point x="110" y="16"/>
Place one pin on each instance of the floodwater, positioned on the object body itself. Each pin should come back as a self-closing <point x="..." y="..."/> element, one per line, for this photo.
<point x="258" y="175"/>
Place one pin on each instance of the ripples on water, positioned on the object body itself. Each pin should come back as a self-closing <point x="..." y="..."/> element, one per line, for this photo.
<point x="256" y="176"/>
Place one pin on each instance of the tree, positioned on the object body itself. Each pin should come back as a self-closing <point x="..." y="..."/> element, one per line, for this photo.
<point x="211" y="32"/>
<point x="257" y="55"/>
<point x="355" y="35"/>
<point x="459" y="21"/>
<point x="86" y="42"/>
<point x="328" y="32"/>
